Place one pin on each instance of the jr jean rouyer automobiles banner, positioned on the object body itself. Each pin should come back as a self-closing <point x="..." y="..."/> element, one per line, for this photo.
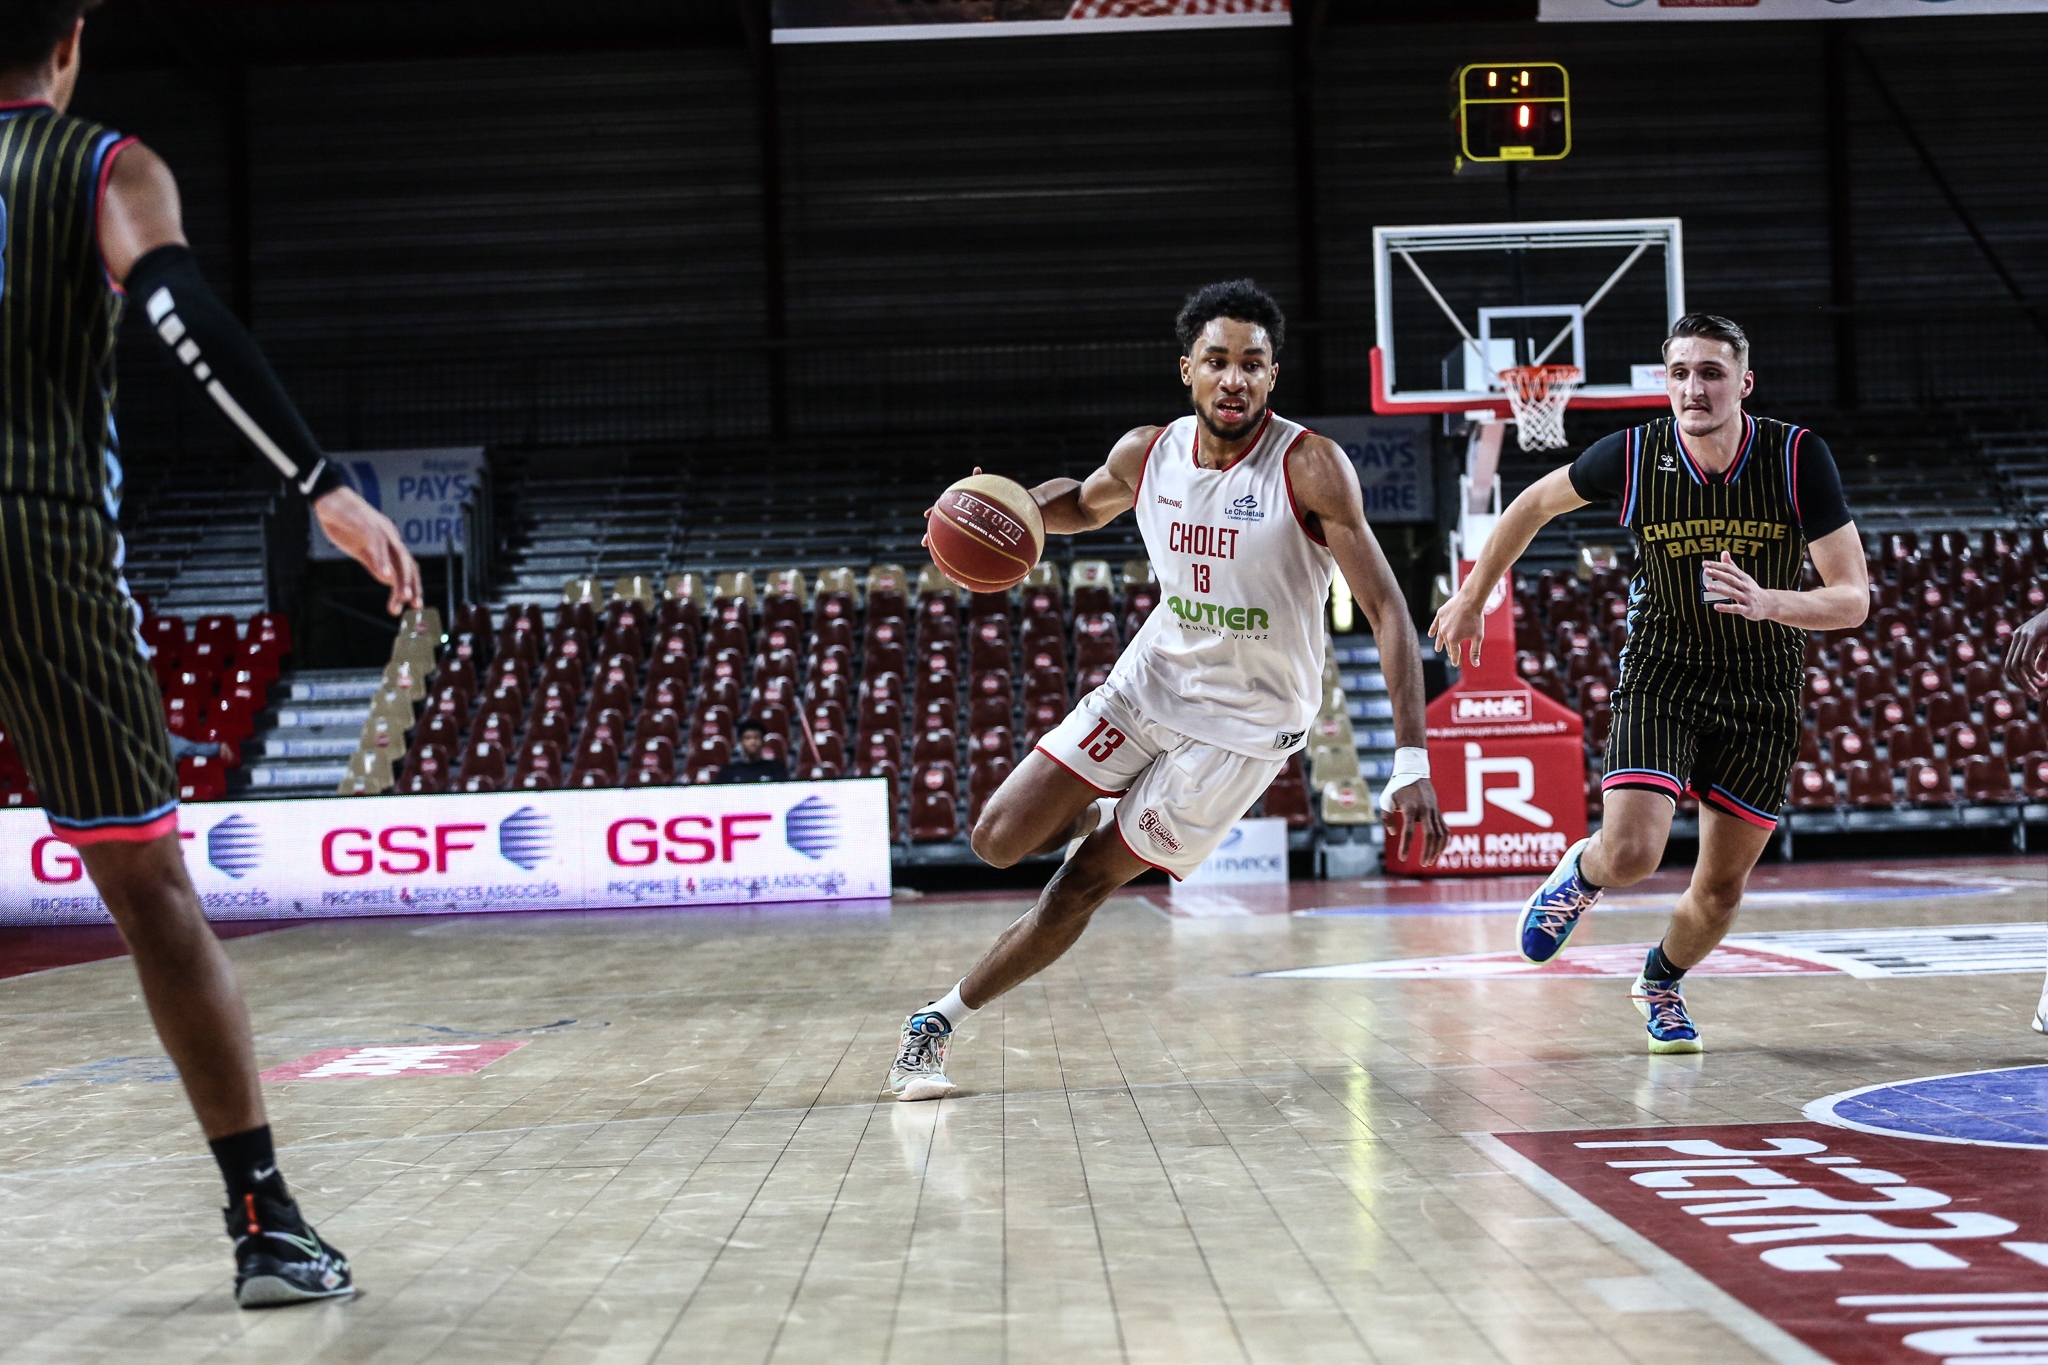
<point x="528" y="850"/>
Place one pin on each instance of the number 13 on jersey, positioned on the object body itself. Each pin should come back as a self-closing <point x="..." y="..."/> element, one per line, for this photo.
<point x="1111" y="739"/>
<point x="1201" y="577"/>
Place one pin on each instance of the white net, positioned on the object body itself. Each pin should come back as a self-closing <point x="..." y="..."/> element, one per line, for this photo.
<point x="1538" y="396"/>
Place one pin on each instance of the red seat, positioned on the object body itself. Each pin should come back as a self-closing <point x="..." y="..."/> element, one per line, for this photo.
<point x="830" y="680"/>
<point x="825" y="746"/>
<point x="219" y="631"/>
<point x="990" y="645"/>
<point x="831" y="632"/>
<point x="275" y="630"/>
<point x="1830" y="712"/>
<point x="826" y="715"/>
<point x="1961" y="651"/>
<point x="940" y="713"/>
<point x="1962" y="738"/>
<point x="934" y="809"/>
<point x="202" y="779"/>
<point x="663" y="722"/>
<point x="1288" y="796"/>
<point x="1999" y="708"/>
<point x="626" y="639"/>
<point x="1988" y="779"/>
<point x="496" y="726"/>
<point x="1928" y="782"/>
<point x="932" y="686"/>
<point x="712" y="750"/>
<point x="939" y="745"/>
<point x="1908" y="740"/>
<point x="2034" y="775"/>
<point x="1870" y="782"/>
<point x="1927" y="680"/>
<point x="1872" y="684"/>
<point x="1599" y="722"/>
<point x="2022" y="736"/>
<point x="879" y="746"/>
<point x="885" y="656"/>
<point x="259" y="657"/>
<point x="596" y="755"/>
<point x="1852" y="654"/>
<point x="1809" y="745"/>
<point x="483" y="767"/>
<point x="1813" y="786"/>
<point x="437" y="731"/>
<point x="1095" y="641"/>
<point x="1041" y="716"/>
<point x="540" y="756"/>
<point x="1945" y="709"/>
<point x="1889" y="712"/>
<point x="1818" y="684"/>
<point x="983" y="778"/>
<point x="1981" y="678"/>
<point x="556" y="696"/>
<point x="608" y="725"/>
<point x="1847" y="743"/>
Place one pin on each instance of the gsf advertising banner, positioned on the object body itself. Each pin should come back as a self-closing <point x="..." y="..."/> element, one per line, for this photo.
<point x="1604" y="11"/>
<point x="566" y="850"/>
<point x="422" y="491"/>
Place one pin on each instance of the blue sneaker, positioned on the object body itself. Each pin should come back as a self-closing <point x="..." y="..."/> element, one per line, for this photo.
<point x="1671" y="1029"/>
<point x="1551" y="914"/>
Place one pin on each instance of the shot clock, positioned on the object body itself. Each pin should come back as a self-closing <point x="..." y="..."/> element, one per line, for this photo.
<point x="1513" y="112"/>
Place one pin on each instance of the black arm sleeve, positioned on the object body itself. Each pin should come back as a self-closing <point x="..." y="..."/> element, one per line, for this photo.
<point x="213" y="347"/>
<point x="1817" y="487"/>
<point x="1596" y="474"/>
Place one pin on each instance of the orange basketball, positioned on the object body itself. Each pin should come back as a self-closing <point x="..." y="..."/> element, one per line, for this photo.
<point x="985" y="533"/>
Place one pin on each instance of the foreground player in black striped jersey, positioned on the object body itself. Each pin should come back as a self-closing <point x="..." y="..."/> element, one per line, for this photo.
<point x="92" y="217"/>
<point x="1725" y="508"/>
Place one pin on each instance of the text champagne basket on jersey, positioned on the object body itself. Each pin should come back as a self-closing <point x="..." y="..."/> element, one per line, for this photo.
<point x="1508" y="764"/>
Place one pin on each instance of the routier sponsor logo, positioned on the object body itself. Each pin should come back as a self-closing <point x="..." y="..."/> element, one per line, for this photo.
<point x="1866" y="1248"/>
<point x="498" y="851"/>
<point x="1213" y="614"/>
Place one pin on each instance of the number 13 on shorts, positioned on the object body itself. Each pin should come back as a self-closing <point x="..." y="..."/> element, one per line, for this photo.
<point x="1104" y="740"/>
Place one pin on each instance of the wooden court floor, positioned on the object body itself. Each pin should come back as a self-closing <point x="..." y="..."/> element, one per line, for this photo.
<point x="1158" y="1155"/>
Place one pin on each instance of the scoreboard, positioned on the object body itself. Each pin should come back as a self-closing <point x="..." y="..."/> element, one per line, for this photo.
<point x="1513" y="111"/>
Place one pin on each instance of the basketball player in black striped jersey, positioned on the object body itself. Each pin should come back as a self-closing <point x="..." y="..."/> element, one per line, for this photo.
<point x="1725" y="508"/>
<point x="93" y="219"/>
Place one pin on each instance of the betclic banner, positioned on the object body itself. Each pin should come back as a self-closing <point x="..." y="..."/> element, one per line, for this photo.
<point x="429" y="855"/>
<point x="866" y="21"/>
<point x="1608" y="11"/>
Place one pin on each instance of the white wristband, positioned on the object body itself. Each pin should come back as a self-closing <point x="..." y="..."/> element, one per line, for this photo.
<point x="1411" y="765"/>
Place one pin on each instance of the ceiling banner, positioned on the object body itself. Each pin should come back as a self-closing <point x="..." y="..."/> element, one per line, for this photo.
<point x="861" y="21"/>
<point x="1608" y="11"/>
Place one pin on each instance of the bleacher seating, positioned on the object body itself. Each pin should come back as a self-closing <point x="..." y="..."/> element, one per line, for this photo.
<point x="1908" y="709"/>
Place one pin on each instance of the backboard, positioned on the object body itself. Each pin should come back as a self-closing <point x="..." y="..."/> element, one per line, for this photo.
<point x="1459" y="302"/>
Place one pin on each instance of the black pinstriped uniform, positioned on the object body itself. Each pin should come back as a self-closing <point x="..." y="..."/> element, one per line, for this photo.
<point x="1709" y="700"/>
<point x="76" y="692"/>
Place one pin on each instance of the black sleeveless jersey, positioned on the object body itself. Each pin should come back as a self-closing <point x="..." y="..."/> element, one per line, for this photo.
<point x="1683" y="515"/>
<point x="58" y="310"/>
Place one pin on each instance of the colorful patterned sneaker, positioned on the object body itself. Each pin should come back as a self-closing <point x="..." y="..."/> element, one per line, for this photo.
<point x="1551" y="914"/>
<point x="279" y="1259"/>
<point x="920" y="1070"/>
<point x="1663" y="1003"/>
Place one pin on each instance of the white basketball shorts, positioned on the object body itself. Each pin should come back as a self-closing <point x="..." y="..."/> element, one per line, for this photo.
<point x="1180" y="795"/>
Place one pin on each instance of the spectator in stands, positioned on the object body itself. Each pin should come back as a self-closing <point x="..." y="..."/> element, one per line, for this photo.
<point x="748" y="765"/>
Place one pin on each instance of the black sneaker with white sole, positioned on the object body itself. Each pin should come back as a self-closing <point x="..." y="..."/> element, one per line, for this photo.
<point x="279" y="1259"/>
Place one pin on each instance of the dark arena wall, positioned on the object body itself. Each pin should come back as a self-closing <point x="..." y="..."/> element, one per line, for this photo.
<point x="446" y="229"/>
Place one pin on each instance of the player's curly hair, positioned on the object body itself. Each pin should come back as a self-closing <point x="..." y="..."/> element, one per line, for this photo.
<point x="1241" y="300"/>
<point x="31" y="29"/>
<point x="1714" y="328"/>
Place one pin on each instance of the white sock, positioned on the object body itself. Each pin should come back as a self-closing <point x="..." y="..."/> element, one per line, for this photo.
<point x="1107" y="805"/>
<point x="953" y="1008"/>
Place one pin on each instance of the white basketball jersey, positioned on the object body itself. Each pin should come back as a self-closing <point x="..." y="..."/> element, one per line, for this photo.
<point x="1233" y="654"/>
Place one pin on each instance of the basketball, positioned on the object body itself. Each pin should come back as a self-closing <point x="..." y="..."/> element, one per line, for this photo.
<point x="986" y="533"/>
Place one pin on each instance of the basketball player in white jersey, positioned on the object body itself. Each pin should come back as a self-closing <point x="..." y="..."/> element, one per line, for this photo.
<point x="1246" y="516"/>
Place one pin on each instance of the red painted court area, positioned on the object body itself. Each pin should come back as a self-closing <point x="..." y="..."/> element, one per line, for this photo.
<point x="43" y="947"/>
<point x="1871" y="1250"/>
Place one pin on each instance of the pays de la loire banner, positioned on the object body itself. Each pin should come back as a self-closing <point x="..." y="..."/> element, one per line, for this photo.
<point x="1507" y="762"/>
<point x="565" y="850"/>
<point x="422" y="491"/>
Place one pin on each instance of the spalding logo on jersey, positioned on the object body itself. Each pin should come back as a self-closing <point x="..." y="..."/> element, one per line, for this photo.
<point x="1245" y="508"/>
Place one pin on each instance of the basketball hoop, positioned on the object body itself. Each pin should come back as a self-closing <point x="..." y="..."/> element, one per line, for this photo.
<point x="1538" y="395"/>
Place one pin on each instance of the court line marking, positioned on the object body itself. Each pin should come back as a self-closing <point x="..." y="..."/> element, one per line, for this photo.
<point x="1695" y="1289"/>
<point x="1822" y="1110"/>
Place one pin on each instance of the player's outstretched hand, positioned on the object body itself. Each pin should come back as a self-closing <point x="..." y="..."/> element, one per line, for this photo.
<point x="1746" y="597"/>
<point x="926" y="542"/>
<point x="367" y="536"/>
<point x="2026" y="656"/>
<point x="1416" y="804"/>
<point x="1458" y="620"/>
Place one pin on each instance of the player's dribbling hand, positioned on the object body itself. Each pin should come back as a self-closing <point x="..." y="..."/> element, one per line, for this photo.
<point x="1746" y="597"/>
<point x="1458" y="620"/>
<point x="926" y="541"/>
<point x="2026" y="656"/>
<point x="367" y="536"/>
<point x="1416" y="805"/>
